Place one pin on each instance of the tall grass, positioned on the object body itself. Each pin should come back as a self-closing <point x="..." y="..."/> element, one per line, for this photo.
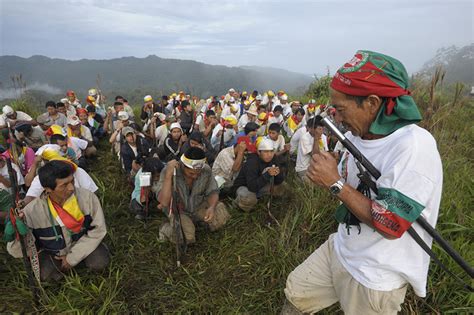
<point x="243" y="268"/>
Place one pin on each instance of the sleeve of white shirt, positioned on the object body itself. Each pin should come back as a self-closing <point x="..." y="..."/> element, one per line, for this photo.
<point x="84" y="180"/>
<point x="81" y="144"/>
<point x="88" y="134"/>
<point x="35" y="189"/>
<point x="198" y="120"/>
<point x="306" y="143"/>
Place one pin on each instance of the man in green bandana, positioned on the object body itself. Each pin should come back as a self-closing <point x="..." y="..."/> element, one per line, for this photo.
<point x="367" y="265"/>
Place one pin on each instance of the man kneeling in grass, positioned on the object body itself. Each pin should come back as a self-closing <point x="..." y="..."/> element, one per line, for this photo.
<point x="67" y="223"/>
<point x="255" y="176"/>
<point x="197" y="193"/>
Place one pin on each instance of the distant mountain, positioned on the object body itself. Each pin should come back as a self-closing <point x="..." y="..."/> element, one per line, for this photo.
<point x="458" y="63"/>
<point x="150" y="75"/>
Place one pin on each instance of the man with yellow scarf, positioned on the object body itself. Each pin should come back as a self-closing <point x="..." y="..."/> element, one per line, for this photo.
<point x="67" y="223"/>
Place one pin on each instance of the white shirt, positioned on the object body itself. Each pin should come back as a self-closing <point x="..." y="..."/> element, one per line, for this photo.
<point x="200" y="122"/>
<point x="81" y="179"/>
<point x="223" y="165"/>
<point x="227" y="112"/>
<point x="295" y="139"/>
<point x="409" y="162"/>
<point x="279" y="120"/>
<point x="305" y="146"/>
<point x="4" y="173"/>
<point x="161" y="132"/>
<point x="77" y="145"/>
<point x="279" y="144"/>
<point x="19" y="116"/>
<point x="243" y="120"/>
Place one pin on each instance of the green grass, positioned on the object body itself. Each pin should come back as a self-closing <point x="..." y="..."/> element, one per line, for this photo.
<point x="242" y="268"/>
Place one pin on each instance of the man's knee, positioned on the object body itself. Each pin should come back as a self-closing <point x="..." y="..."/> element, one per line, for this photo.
<point x="50" y="268"/>
<point x="246" y="200"/>
<point x="221" y="216"/>
<point x="279" y="190"/>
<point x="99" y="259"/>
<point x="90" y="151"/>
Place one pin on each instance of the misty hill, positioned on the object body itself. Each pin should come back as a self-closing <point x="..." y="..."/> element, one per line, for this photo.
<point x="146" y="75"/>
<point x="458" y="63"/>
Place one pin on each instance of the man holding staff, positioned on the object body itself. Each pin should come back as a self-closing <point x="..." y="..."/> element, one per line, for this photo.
<point x="367" y="265"/>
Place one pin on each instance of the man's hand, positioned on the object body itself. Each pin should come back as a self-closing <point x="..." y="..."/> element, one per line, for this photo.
<point x="241" y="148"/>
<point x="183" y="139"/>
<point x="170" y="166"/>
<point x="65" y="266"/>
<point x="213" y="122"/>
<point x="119" y="125"/>
<point x="209" y="214"/>
<point x="274" y="170"/>
<point x="38" y="159"/>
<point x="322" y="169"/>
<point x="287" y="147"/>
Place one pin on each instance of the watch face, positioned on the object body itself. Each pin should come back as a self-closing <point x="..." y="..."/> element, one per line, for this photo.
<point x="334" y="189"/>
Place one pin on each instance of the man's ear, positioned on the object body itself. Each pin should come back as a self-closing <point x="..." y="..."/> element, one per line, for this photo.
<point x="374" y="103"/>
<point x="48" y="190"/>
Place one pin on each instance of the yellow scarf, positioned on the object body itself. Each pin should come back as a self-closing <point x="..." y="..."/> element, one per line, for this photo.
<point x="68" y="215"/>
<point x="70" y="134"/>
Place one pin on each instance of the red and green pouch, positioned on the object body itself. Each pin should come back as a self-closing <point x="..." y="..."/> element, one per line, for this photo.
<point x="392" y="212"/>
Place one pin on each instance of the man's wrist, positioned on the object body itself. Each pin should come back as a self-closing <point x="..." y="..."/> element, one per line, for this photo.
<point x="336" y="187"/>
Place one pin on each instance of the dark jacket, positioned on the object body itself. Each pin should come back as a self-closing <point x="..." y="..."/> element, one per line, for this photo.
<point x="171" y="150"/>
<point x="251" y="176"/>
<point x="209" y="151"/>
<point x="186" y="121"/>
<point x="147" y="114"/>
<point x="128" y="156"/>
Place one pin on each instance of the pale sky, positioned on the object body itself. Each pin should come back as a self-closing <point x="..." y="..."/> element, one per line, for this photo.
<point x="301" y="36"/>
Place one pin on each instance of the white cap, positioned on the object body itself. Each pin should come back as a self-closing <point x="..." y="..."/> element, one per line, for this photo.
<point x="312" y="101"/>
<point x="265" y="145"/>
<point x="123" y="115"/>
<point x="284" y="97"/>
<point x="147" y="98"/>
<point x="73" y="120"/>
<point x="54" y="147"/>
<point x="234" y="107"/>
<point x="7" y="110"/>
<point x="252" y="110"/>
<point x="64" y="101"/>
<point x="231" y="90"/>
<point x="176" y="125"/>
<point x="92" y="92"/>
<point x="258" y="98"/>
<point x="231" y="99"/>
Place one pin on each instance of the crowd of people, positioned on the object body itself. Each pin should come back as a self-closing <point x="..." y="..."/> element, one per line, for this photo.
<point x="219" y="150"/>
<point x="201" y="155"/>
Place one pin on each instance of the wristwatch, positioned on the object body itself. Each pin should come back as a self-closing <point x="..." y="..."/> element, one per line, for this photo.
<point x="336" y="188"/>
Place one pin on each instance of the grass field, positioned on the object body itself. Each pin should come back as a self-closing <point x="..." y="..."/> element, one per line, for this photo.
<point x="243" y="268"/>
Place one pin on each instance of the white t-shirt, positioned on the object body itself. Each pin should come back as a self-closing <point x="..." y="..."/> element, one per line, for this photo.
<point x="81" y="179"/>
<point x="4" y="173"/>
<point x="279" y="144"/>
<point x="305" y="147"/>
<point x="295" y="139"/>
<point x="279" y="120"/>
<point x="19" y="116"/>
<point x="200" y="122"/>
<point x="161" y="133"/>
<point x="243" y="120"/>
<point x="77" y="145"/>
<point x="409" y="162"/>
